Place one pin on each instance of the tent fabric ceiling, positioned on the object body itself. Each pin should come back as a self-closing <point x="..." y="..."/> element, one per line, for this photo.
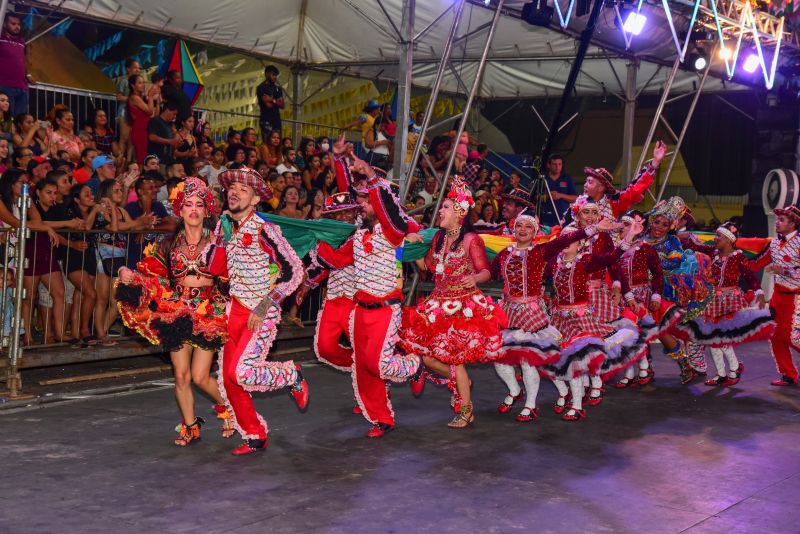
<point x="356" y="34"/>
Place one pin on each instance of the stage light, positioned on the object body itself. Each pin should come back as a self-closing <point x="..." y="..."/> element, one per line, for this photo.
<point x="634" y="23"/>
<point x="487" y="2"/>
<point x="751" y="63"/>
<point x="700" y="63"/>
<point x="725" y="53"/>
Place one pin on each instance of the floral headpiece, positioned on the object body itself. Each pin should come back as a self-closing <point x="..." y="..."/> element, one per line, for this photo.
<point x="581" y="202"/>
<point x="192" y="187"/>
<point x="462" y="197"/>
<point x="672" y="208"/>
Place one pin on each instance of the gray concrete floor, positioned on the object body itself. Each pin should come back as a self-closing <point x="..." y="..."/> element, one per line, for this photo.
<point x="670" y="459"/>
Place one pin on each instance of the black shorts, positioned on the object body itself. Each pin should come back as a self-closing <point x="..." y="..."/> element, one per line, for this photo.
<point x="111" y="266"/>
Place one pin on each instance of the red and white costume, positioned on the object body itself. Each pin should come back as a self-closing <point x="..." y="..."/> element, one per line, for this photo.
<point x="262" y="268"/>
<point x="616" y="203"/>
<point x="784" y="252"/>
<point x="729" y="319"/>
<point x="375" y="321"/>
<point x="333" y="319"/>
<point x="530" y="340"/>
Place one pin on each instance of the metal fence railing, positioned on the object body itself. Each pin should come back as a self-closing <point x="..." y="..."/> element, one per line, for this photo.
<point x="82" y="103"/>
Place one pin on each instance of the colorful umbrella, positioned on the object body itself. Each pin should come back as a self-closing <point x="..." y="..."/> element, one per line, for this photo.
<point x="181" y="61"/>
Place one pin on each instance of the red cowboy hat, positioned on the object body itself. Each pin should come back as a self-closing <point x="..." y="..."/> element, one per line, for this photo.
<point x="605" y="178"/>
<point x="246" y="176"/>
<point x="520" y="196"/>
<point x="793" y="212"/>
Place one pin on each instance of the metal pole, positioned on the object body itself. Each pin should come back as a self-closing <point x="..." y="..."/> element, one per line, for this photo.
<point x="476" y="84"/>
<point x="583" y="47"/>
<point x="659" y="110"/>
<point x="48" y="30"/>
<point x="406" y="63"/>
<point x="297" y="105"/>
<point x="3" y="10"/>
<point x="437" y="82"/>
<point x="686" y="122"/>
<point x="630" y="120"/>
<point x="15" y="351"/>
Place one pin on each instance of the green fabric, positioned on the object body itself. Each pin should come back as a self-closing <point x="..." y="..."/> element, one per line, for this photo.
<point x="303" y="234"/>
<point x="226" y="223"/>
<point x="416" y="251"/>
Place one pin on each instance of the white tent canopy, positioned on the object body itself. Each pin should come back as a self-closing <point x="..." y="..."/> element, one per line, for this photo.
<point x="358" y="37"/>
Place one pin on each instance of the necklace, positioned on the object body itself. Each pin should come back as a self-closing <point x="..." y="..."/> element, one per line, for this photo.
<point x="192" y="247"/>
<point x="453" y="233"/>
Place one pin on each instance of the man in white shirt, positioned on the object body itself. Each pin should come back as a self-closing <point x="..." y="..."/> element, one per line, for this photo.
<point x="289" y="155"/>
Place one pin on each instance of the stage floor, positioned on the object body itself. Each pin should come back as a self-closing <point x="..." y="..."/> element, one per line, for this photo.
<point x="671" y="459"/>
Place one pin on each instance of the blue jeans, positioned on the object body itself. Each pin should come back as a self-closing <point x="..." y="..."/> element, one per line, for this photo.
<point x="18" y="99"/>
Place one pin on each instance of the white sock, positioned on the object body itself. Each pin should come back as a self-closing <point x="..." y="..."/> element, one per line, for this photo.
<point x="585" y="381"/>
<point x="629" y="374"/>
<point x="507" y="375"/>
<point x="562" y="388"/>
<point x="596" y="383"/>
<point x="719" y="360"/>
<point x="576" y="387"/>
<point x="733" y="361"/>
<point x="530" y="377"/>
<point x="644" y="367"/>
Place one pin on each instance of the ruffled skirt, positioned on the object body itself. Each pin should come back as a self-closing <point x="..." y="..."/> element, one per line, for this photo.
<point x="690" y="286"/>
<point x="529" y="337"/>
<point x="729" y="321"/>
<point x="455" y="330"/>
<point x="173" y="316"/>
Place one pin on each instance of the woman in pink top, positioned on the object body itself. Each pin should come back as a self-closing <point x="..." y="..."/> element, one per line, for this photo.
<point x="64" y="138"/>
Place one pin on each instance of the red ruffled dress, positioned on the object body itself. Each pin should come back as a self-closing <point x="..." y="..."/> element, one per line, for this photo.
<point x="164" y="311"/>
<point x="729" y="319"/>
<point x="587" y="341"/>
<point x="530" y="337"/>
<point x="641" y="279"/>
<point x="454" y="324"/>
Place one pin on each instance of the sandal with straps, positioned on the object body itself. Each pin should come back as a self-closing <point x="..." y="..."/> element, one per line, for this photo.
<point x="558" y="409"/>
<point x="464" y="418"/>
<point x="188" y="434"/>
<point x="228" y="429"/>
<point x="574" y="415"/>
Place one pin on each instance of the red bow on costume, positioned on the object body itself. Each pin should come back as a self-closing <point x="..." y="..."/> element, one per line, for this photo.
<point x="366" y="241"/>
<point x="247" y="240"/>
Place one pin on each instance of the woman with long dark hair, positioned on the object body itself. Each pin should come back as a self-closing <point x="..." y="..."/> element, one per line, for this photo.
<point x="187" y="315"/>
<point x="102" y="134"/>
<point x="457" y="324"/>
<point x="138" y="113"/>
<point x="62" y="137"/>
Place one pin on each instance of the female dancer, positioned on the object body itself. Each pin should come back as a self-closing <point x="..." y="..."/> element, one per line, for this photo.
<point x="587" y="341"/>
<point x="729" y="320"/>
<point x="138" y="113"/>
<point x="530" y="340"/>
<point x="686" y="275"/>
<point x="173" y="300"/>
<point x="642" y="281"/>
<point x="457" y="324"/>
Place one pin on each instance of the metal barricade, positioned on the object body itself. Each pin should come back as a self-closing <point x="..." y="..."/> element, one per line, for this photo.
<point x="42" y="98"/>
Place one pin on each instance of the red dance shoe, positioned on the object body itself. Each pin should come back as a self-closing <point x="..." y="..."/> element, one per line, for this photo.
<point x="299" y="390"/>
<point x="250" y="446"/>
<point x="559" y="409"/>
<point x="625" y="383"/>
<point x="417" y="381"/>
<point x="783" y="381"/>
<point x="379" y="429"/>
<point x="505" y="407"/>
<point x="574" y="415"/>
<point x="644" y="380"/>
<point x="718" y="381"/>
<point x="595" y="401"/>
<point x="738" y="372"/>
<point x="527" y="415"/>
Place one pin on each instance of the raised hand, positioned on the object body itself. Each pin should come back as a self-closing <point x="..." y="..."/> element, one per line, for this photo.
<point x="659" y="152"/>
<point x="340" y="146"/>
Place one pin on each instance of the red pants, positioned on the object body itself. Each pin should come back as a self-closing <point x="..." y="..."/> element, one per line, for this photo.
<point x="787" y="333"/>
<point x="374" y="335"/>
<point x="245" y="368"/>
<point x="333" y="321"/>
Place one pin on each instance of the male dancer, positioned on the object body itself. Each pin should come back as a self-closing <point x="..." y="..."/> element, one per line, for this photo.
<point x="599" y="186"/>
<point x="263" y="270"/>
<point x="375" y="322"/>
<point x="783" y="258"/>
